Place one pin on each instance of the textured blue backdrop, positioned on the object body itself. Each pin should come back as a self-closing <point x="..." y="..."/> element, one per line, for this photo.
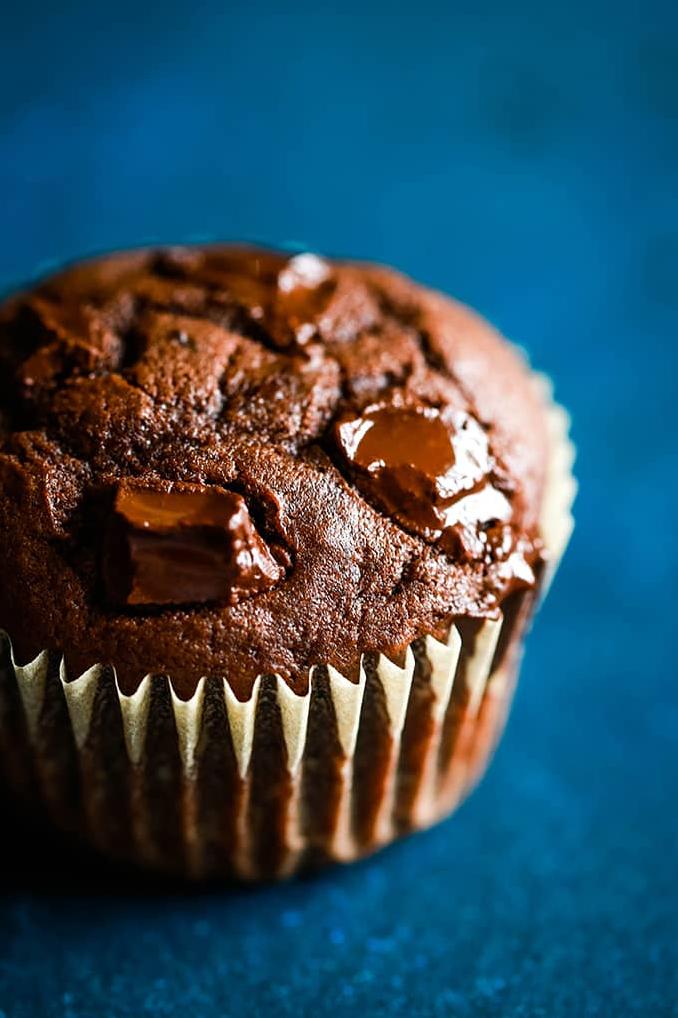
<point x="523" y="157"/>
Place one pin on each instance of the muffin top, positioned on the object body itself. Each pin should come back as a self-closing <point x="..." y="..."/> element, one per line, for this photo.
<point x="227" y="461"/>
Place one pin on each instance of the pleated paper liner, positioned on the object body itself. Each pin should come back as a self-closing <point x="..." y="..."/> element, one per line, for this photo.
<point x="214" y="786"/>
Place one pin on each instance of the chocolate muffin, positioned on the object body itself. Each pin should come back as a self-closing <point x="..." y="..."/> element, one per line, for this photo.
<point x="271" y="529"/>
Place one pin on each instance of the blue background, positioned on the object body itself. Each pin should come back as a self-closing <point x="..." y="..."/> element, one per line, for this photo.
<point x="524" y="157"/>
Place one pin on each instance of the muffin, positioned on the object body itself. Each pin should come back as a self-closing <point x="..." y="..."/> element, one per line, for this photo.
<point x="272" y="528"/>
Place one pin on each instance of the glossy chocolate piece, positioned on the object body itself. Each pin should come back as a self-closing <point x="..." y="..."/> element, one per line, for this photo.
<point x="431" y="472"/>
<point x="496" y="544"/>
<point x="435" y="476"/>
<point x="303" y="288"/>
<point x="284" y="294"/>
<point x="189" y="544"/>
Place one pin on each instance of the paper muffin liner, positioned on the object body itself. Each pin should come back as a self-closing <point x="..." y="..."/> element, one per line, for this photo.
<point x="214" y="786"/>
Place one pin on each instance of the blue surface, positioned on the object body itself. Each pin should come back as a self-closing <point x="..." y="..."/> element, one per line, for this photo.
<point x="527" y="162"/>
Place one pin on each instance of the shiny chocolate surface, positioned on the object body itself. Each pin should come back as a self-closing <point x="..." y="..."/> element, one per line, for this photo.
<point x="183" y="546"/>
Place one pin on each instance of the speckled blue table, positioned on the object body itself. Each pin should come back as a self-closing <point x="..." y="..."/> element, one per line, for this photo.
<point x="526" y="161"/>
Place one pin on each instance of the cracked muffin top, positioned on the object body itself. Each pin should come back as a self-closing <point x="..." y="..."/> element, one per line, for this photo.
<point x="227" y="461"/>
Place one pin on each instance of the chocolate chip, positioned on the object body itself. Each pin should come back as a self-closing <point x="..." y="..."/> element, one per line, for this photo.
<point x="303" y="289"/>
<point x="432" y="472"/>
<point x="185" y="544"/>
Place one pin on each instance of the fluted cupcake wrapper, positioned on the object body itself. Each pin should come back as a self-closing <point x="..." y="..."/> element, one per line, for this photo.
<point x="214" y="786"/>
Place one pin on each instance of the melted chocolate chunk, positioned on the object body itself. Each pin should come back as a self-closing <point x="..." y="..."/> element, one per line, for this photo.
<point x="304" y="287"/>
<point x="435" y="476"/>
<point x="189" y="544"/>
<point x="496" y="543"/>
<point x="428" y="471"/>
<point x="283" y="295"/>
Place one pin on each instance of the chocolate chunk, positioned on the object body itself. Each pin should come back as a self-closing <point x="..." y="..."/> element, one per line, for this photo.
<point x="499" y="543"/>
<point x="314" y="304"/>
<point x="428" y="471"/>
<point x="74" y="341"/>
<point x="288" y="301"/>
<point x="281" y="294"/>
<point x="434" y="475"/>
<point x="187" y="544"/>
<point x="304" y="287"/>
